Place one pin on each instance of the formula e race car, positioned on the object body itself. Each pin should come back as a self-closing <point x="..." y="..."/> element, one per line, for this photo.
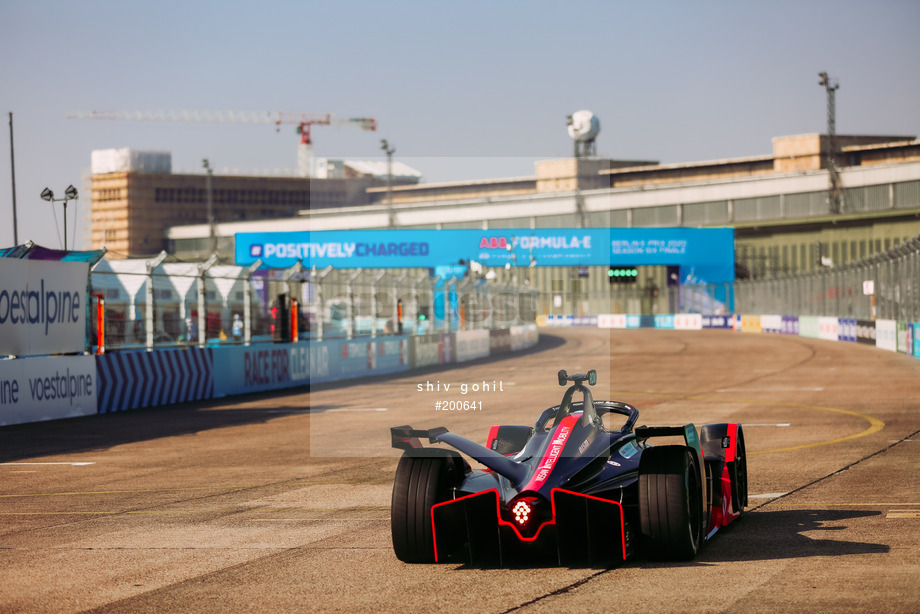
<point x="566" y="490"/>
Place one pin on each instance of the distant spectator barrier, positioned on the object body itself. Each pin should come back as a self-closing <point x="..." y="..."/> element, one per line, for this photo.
<point x="885" y="286"/>
<point x="892" y="335"/>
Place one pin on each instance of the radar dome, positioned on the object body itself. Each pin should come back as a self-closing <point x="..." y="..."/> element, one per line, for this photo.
<point x="583" y="126"/>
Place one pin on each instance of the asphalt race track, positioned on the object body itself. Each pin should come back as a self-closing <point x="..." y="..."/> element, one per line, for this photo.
<point x="280" y="503"/>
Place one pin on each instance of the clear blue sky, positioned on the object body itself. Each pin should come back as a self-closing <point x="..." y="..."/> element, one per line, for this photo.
<point x="470" y="90"/>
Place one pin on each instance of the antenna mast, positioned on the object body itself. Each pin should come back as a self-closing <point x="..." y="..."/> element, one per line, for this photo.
<point x="830" y="86"/>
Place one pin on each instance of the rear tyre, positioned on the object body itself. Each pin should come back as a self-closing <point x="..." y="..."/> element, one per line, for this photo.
<point x="420" y="483"/>
<point x="670" y="502"/>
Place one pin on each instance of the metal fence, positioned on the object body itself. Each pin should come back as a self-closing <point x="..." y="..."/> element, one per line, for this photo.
<point x="156" y="304"/>
<point x="885" y="286"/>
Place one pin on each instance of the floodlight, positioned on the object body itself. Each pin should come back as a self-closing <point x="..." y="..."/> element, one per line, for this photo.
<point x="48" y="195"/>
<point x="71" y="192"/>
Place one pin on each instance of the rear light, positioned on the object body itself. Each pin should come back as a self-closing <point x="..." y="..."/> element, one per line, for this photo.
<point x="522" y="511"/>
<point x="527" y="513"/>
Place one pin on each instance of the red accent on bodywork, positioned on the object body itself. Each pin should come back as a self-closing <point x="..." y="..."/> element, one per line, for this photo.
<point x="551" y="521"/>
<point x="722" y="515"/>
<point x="557" y="443"/>
<point x="493" y="433"/>
<point x="733" y="442"/>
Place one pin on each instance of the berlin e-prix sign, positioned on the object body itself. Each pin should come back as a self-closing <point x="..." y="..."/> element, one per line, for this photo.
<point x="710" y="251"/>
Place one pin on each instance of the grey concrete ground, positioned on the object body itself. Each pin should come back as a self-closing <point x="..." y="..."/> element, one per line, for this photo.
<point x="280" y="503"/>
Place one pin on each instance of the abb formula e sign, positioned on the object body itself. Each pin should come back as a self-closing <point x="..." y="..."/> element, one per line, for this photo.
<point x="706" y="252"/>
<point x="42" y="307"/>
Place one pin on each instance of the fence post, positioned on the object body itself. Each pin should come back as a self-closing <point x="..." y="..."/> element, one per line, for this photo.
<point x="247" y="301"/>
<point x="374" y="304"/>
<point x="151" y="265"/>
<point x="319" y="298"/>
<point x="203" y="300"/>
<point x="349" y="305"/>
<point x="397" y="305"/>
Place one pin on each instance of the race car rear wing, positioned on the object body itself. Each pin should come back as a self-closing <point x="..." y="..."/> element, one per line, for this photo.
<point x="407" y="438"/>
<point x="687" y="431"/>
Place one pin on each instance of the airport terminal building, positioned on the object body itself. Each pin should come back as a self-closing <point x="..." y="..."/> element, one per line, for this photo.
<point x="783" y="213"/>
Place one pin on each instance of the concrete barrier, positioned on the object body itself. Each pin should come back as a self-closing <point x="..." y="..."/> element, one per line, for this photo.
<point x="47" y="388"/>
<point x="886" y="335"/>
<point x="135" y="379"/>
<point x="471" y="344"/>
<point x="424" y="350"/>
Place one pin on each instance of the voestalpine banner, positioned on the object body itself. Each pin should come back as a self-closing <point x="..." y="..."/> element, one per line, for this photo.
<point x="47" y="388"/>
<point x="706" y="253"/>
<point x="42" y="307"/>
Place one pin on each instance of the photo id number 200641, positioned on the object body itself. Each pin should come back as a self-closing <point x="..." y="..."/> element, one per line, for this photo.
<point x="458" y="405"/>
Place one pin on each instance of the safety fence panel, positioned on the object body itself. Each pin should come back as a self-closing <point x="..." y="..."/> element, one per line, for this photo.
<point x="146" y="305"/>
<point x="885" y="286"/>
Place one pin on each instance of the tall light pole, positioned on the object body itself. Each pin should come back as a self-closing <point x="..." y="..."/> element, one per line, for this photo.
<point x="389" y="151"/>
<point x="69" y="194"/>
<point x="209" y="196"/>
<point x="831" y="86"/>
<point x="13" y="176"/>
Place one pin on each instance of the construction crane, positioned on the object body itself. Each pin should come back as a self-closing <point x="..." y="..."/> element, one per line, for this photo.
<point x="303" y="121"/>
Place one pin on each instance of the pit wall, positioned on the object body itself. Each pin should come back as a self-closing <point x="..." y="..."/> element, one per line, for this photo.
<point x="53" y="387"/>
<point x="891" y="335"/>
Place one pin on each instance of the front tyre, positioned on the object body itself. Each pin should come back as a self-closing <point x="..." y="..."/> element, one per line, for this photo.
<point x="670" y="502"/>
<point x="420" y="483"/>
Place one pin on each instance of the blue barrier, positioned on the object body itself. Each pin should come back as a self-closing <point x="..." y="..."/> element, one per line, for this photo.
<point x="131" y="380"/>
<point x="126" y="380"/>
<point x="916" y="328"/>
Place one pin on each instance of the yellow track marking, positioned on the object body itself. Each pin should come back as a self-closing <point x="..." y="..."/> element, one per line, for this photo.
<point x="875" y="425"/>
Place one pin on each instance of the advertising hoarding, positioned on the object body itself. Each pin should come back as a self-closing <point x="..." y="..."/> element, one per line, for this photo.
<point x="865" y="332"/>
<point x="42" y="307"/>
<point x="47" y="388"/>
<point x="707" y="254"/>
<point x="886" y="335"/>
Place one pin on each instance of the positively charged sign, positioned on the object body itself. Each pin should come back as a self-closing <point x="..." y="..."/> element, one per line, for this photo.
<point x="42" y="307"/>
